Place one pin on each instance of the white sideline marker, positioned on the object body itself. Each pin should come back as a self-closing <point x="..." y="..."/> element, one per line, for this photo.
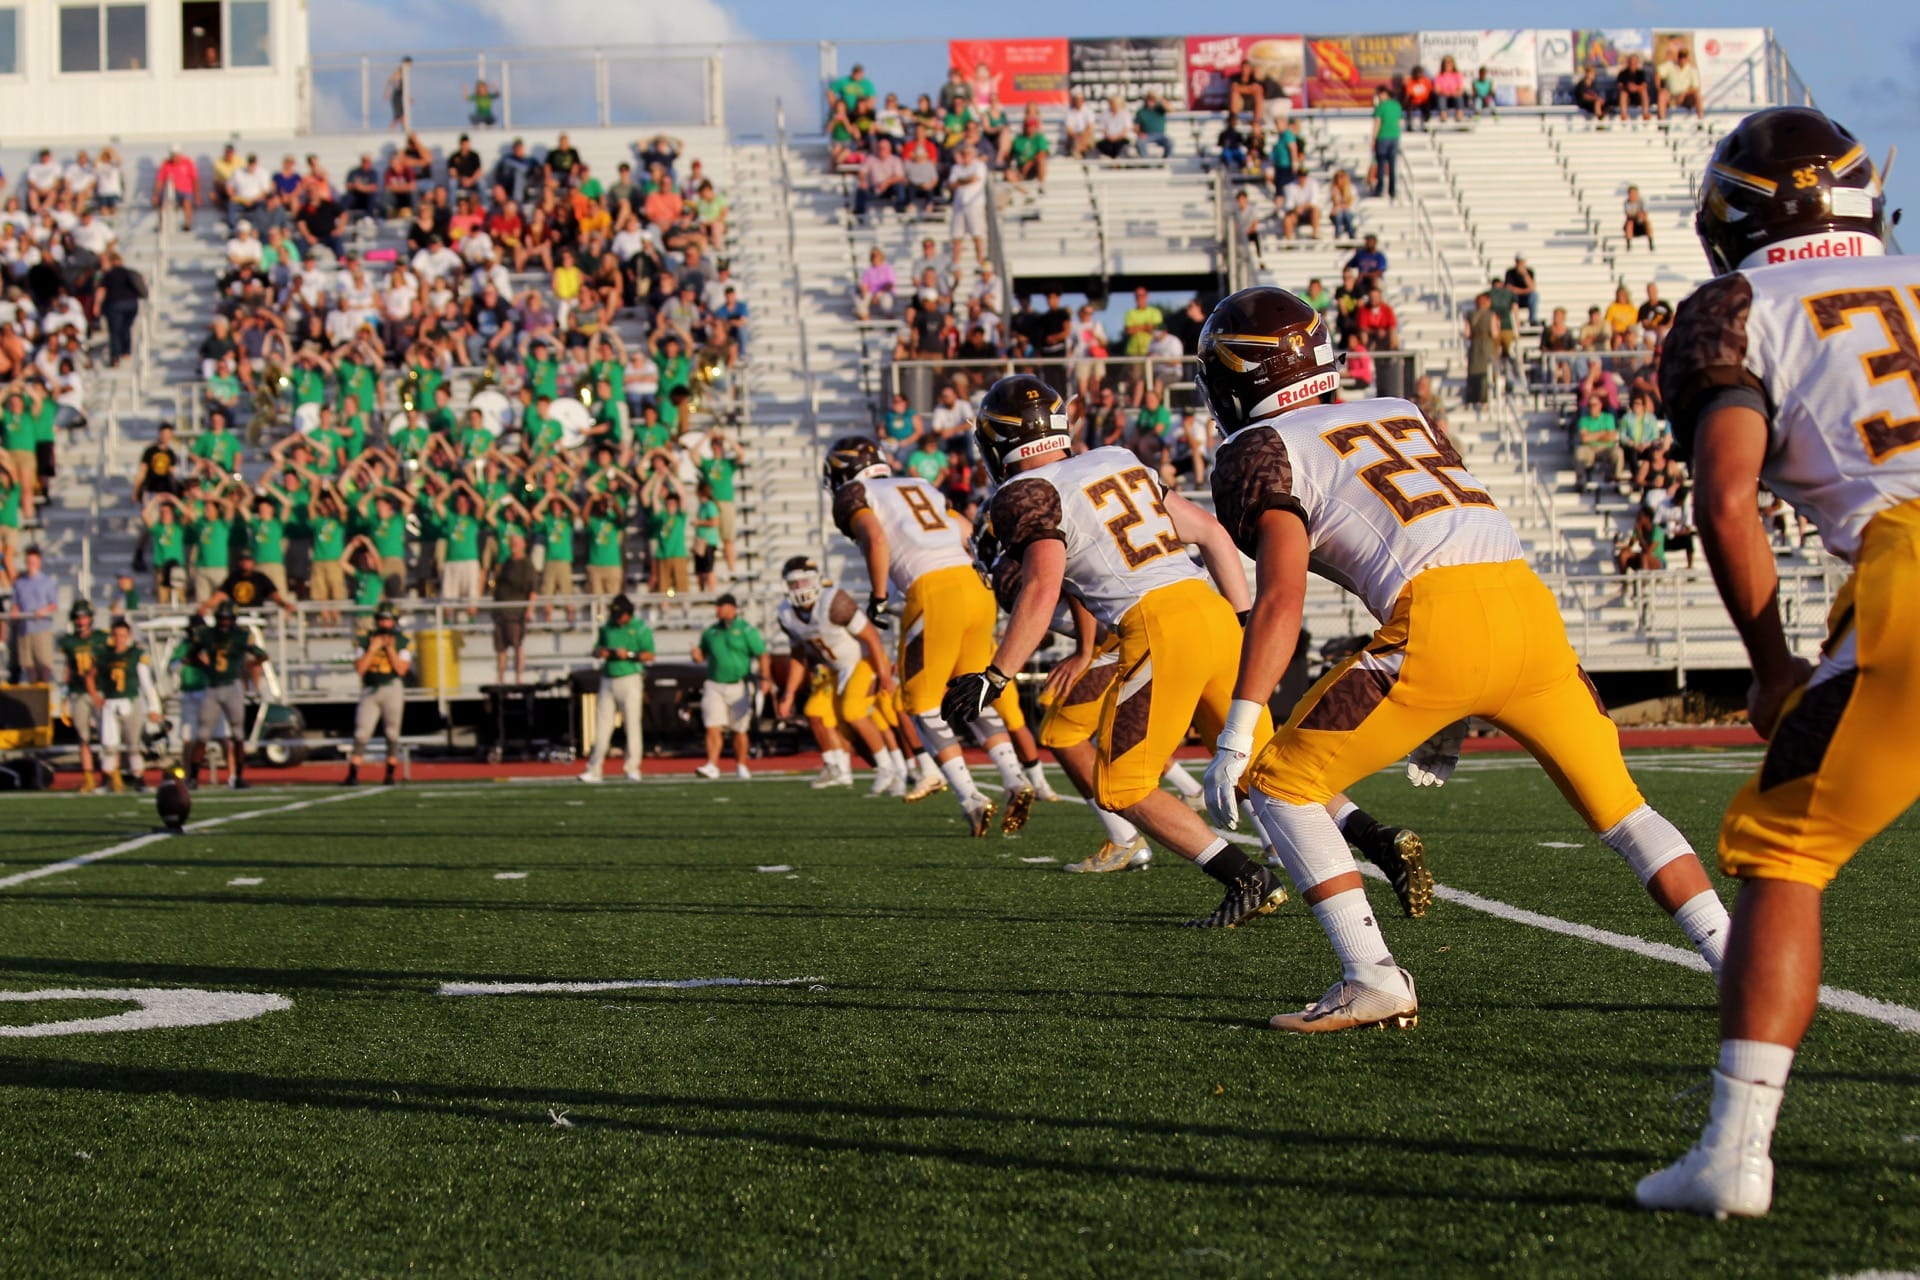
<point x="154" y="837"/>
<point x="637" y="984"/>
<point x="159" y="1007"/>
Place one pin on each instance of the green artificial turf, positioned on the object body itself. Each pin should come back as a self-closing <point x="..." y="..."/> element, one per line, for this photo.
<point x="993" y="1068"/>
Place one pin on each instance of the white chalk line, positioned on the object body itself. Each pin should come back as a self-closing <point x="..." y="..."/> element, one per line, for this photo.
<point x="1898" y="1016"/>
<point x="637" y="984"/>
<point x="158" y="1007"/>
<point x="154" y="837"/>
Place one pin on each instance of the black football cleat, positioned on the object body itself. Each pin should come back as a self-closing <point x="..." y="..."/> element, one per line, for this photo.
<point x="1254" y="895"/>
<point x="1401" y="853"/>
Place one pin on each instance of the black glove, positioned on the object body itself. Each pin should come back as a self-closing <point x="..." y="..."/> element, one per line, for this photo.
<point x="969" y="695"/>
<point x="878" y="613"/>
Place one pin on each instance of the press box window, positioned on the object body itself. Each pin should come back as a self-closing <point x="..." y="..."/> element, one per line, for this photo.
<point x="97" y="37"/>
<point x="223" y="33"/>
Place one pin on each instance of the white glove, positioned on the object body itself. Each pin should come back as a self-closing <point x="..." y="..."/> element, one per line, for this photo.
<point x="1431" y="763"/>
<point x="1221" y="785"/>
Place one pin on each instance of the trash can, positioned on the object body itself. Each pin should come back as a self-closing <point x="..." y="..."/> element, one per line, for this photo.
<point x="437" y="659"/>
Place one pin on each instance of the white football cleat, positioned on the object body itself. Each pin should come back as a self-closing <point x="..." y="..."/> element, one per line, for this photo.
<point x="742" y="772"/>
<point x="708" y="770"/>
<point x="929" y="784"/>
<point x="830" y="777"/>
<point x="1134" y="856"/>
<point x="882" y="783"/>
<point x="632" y="775"/>
<point x="591" y="775"/>
<point x="1348" y="1006"/>
<point x="897" y="786"/>
<point x="1729" y="1172"/>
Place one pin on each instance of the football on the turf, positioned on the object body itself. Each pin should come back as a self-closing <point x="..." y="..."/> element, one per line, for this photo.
<point x="174" y="802"/>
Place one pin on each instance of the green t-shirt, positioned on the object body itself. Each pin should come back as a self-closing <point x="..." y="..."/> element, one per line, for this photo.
<point x="169" y="542"/>
<point x="900" y="425"/>
<point x="1388" y="113"/>
<point x="851" y="90"/>
<point x="719" y="473"/>
<point x="463" y="537"/>
<point x="1028" y="145"/>
<point x="82" y="655"/>
<point x="556" y="534"/>
<point x="10" y="505"/>
<point x="16" y="430"/>
<point x="309" y="386"/>
<point x="426" y="381"/>
<point x="389" y="534"/>
<point x="368" y="587"/>
<point x="192" y="679"/>
<point x="1595" y="424"/>
<point x="603" y="542"/>
<point x="592" y="189"/>
<point x="706" y="522"/>
<point x="212" y="541"/>
<point x="613" y="373"/>
<point x="381" y="670"/>
<point x="267" y="537"/>
<point x="544" y="436"/>
<point x="653" y="435"/>
<point x="358" y="384"/>
<point x="224" y="388"/>
<point x="668" y="529"/>
<point x="43" y="421"/>
<point x="635" y="637"/>
<point x="675" y="371"/>
<point x="329" y="535"/>
<point x="544" y="377"/>
<point x="410" y="441"/>
<point x="221" y="448"/>
<point x="326" y="443"/>
<point x="474" y="442"/>
<point x="1155" y="420"/>
<point x="730" y="650"/>
<point x="1152" y="120"/>
<point x="928" y="464"/>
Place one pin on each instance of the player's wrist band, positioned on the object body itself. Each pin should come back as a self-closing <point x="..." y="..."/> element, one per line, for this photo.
<point x="1243" y="717"/>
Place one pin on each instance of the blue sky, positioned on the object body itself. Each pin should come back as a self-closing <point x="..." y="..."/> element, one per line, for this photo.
<point x="1861" y="60"/>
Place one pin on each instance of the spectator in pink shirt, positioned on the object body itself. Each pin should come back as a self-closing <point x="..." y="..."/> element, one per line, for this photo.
<point x="177" y="174"/>
<point x="1450" y="87"/>
<point x="883" y="177"/>
<point x="877" y="287"/>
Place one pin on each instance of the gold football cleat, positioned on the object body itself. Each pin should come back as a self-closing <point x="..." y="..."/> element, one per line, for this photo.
<point x="929" y="785"/>
<point x="1019" y="805"/>
<point x="1133" y="856"/>
<point x="981" y="819"/>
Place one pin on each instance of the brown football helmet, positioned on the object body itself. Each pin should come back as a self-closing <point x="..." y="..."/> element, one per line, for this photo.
<point x="1789" y="174"/>
<point x="1264" y="351"/>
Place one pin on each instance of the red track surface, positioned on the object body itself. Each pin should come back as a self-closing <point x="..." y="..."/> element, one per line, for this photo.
<point x="425" y="771"/>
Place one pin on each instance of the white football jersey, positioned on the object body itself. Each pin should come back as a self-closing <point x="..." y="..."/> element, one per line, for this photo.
<point x="828" y="633"/>
<point x="1829" y="352"/>
<point x="923" y="533"/>
<point x="1384" y="496"/>
<point x="1108" y="510"/>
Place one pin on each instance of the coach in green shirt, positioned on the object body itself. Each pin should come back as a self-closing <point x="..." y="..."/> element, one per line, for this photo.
<point x="731" y="649"/>
<point x="624" y="645"/>
<point x="1387" y="113"/>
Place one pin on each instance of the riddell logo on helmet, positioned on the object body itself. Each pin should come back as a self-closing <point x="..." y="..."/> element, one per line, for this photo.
<point x="1811" y="247"/>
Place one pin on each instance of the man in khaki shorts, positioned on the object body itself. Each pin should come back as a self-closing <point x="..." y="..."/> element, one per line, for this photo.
<point x="382" y="665"/>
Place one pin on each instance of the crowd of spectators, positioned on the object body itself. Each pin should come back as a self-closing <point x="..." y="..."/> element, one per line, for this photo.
<point x="542" y="362"/>
<point x="1672" y="85"/>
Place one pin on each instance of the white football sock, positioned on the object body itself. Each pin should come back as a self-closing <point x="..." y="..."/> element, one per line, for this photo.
<point x="1647" y="841"/>
<point x="1310" y="846"/>
<point x="1007" y="760"/>
<point x="1340" y="814"/>
<point x="1180" y="779"/>
<point x="1355" y="934"/>
<point x="1703" y="918"/>
<point x="926" y="764"/>
<point x="1206" y="855"/>
<point x="1756" y="1062"/>
<point x="898" y="760"/>
<point x="1036" y="773"/>
<point x="1118" y="829"/>
<point x="955" y="771"/>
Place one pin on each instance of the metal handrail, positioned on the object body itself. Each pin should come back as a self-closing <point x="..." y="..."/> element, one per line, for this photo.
<point x="807" y="378"/>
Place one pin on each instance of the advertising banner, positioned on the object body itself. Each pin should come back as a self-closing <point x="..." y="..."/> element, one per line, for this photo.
<point x="1345" y="70"/>
<point x="1126" y="67"/>
<point x="1605" y="49"/>
<point x="1013" y="72"/>
<point x="1553" y="65"/>
<point x="1279" y="64"/>
<point x="1510" y="57"/>
<point x="1733" y="71"/>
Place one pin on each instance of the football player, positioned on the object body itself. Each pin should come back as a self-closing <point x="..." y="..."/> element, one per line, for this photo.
<point x="82" y="648"/>
<point x="382" y="665"/>
<point x="125" y="678"/>
<point x="1099" y="526"/>
<point x="915" y="546"/>
<point x="1371" y="497"/>
<point x="1076" y="690"/>
<point x="230" y="662"/>
<point x="1798" y="367"/>
<point x="830" y="634"/>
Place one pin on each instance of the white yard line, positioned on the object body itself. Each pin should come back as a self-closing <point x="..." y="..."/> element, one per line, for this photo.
<point x="637" y="984"/>
<point x="141" y="842"/>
